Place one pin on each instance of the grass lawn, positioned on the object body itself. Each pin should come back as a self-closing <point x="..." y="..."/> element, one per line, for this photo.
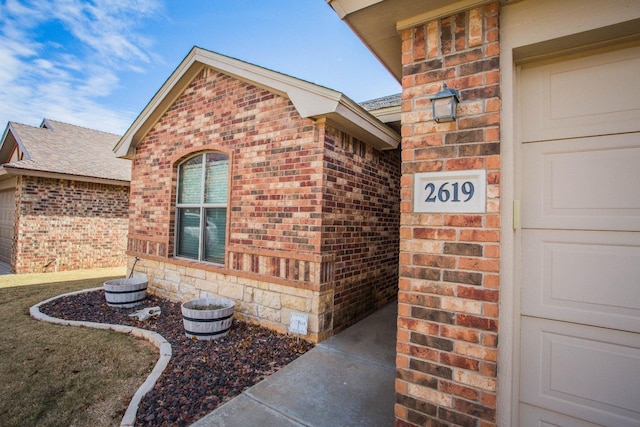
<point x="55" y="375"/>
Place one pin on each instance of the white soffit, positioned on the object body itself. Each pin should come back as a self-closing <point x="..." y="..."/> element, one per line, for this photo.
<point x="390" y="114"/>
<point x="378" y="23"/>
<point x="310" y="100"/>
<point x="346" y="7"/>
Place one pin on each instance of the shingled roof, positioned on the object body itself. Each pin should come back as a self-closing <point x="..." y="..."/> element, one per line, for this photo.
<point x="63" y="149"/>
<point x="394" y="100"/>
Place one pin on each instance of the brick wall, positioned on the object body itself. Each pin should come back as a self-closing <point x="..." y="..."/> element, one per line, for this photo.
<point x="69" y="225"/>
<point x="449" y="264"/>
<point x="276" y="211"/>
<point x="360" y="225"/>
<point x="270" y="166"/>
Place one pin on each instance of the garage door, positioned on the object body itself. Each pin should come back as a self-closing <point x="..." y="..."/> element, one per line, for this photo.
<point x="580" y="240"/>
<point x="7" y="210"/>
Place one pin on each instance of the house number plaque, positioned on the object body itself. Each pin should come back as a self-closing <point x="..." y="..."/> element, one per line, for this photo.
<point x="451" y="192"/>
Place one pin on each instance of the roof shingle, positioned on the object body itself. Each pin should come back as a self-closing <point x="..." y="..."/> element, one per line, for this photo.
<point x="384" y="102"/>
<point x="62" y="148"/>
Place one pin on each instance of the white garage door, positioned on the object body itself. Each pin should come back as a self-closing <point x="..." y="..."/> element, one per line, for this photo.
<point x="7" y="210"/>
<point x="580" y="253"/>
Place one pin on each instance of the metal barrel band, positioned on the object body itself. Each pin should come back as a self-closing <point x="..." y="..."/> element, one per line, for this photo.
<point x="125" y="302"/>
<point x="208" y="334"/>
<point x="125" y="292"/>
<point x="208" y="320"/>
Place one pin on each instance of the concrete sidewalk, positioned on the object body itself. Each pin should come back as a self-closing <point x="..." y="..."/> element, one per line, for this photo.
<point x="347" y="380"/>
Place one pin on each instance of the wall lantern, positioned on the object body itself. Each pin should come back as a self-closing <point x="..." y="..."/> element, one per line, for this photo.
<point x="444" y="104"/>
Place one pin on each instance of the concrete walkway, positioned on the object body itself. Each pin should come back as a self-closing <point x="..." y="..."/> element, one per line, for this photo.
<point x="347" y="380"/>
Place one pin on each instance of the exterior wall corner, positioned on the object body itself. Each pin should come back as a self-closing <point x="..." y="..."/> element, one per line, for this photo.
<point x="450" y="262"/>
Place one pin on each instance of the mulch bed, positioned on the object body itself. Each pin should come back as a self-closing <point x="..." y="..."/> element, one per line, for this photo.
<point x="201" y="375"/>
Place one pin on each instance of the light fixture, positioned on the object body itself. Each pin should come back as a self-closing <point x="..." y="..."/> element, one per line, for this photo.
<point x="444" y="104"/>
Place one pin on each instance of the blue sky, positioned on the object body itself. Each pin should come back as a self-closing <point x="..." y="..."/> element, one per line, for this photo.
<point x="98" y="63"/>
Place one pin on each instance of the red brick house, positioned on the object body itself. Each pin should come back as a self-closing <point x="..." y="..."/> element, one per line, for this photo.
<point x="256" y="186"/>
<point x="526" y="311"/>
<point x="63" y="199"/>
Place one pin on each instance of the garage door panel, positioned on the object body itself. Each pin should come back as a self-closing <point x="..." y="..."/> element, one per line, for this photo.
<point x="7" y="209"/>
<point x="586" y="183"/>
<point x="584" y="372"/>
<point x="535" y="416"/>
<point x="589" y="277"/>
<point x="579" y="239"/>
<point x="583" y="96"/>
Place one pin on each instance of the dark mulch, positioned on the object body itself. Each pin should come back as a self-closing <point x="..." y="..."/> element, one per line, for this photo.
<point x="201" y="374"/>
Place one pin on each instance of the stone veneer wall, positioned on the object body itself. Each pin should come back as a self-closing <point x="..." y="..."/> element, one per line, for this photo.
<point x="69" y="225"/>
<point x="449" y="263"/>
<point x="277" y="259"/>
<point x="257" y="301"/>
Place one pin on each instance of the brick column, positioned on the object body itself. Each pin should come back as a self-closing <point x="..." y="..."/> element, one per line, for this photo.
<point x="450" y="263"/>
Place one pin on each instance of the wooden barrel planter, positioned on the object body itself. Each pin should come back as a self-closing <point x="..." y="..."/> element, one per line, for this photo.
<point x="128" y="292"/>
<point x="207" y="318"/>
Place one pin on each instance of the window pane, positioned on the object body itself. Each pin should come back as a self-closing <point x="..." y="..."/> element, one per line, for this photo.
<point x="203" y="181"/>
<point x="217" y="178"/>
<point x="215" y="234"/>
<point x="189" y="232"/>
<point x="190" y="185"/>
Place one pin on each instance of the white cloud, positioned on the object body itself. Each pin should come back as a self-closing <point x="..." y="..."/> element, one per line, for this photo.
<point x="64" y="75"/>
<point x="105" y="26"/>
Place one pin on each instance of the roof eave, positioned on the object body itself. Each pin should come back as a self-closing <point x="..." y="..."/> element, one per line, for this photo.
<point x="5" y="150"/>
<point x="310" y="100"/>
<point x="388" y="114"/>
<point x="160" y="102"/>
<point x="379" y="23"/>
<point x="15" y="171"/>
<point x="364" y="125"/>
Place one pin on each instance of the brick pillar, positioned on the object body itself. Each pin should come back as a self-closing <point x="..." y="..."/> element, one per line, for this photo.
<point x="450" y="263"/>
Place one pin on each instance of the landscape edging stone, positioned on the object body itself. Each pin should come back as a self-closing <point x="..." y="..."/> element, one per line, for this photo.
<point x="164" y="348"/>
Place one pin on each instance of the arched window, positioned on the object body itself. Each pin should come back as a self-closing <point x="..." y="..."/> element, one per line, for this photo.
<point x="201" y="204"/>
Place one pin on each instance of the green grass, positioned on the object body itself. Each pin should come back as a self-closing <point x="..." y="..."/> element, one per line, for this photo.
<point x="54" y="375"/>
<point x="12" y="280"/>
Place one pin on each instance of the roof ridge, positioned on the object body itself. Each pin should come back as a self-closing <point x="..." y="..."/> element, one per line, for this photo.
<point x="77" y="126"/>
<point x="11" y="122"/>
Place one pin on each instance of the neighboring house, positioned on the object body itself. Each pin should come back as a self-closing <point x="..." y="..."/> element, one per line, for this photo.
<point x="526" y="311"/>
<point x="63" y="198"/>
<point x="256" y="186"/>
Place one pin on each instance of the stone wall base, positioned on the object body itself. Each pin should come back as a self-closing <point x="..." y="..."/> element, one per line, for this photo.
<point x="260" y="302"/>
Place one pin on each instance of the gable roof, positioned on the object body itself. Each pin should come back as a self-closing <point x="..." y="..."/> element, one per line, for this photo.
<point x="58" y="149"/>
<point x="310" y="100"/>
